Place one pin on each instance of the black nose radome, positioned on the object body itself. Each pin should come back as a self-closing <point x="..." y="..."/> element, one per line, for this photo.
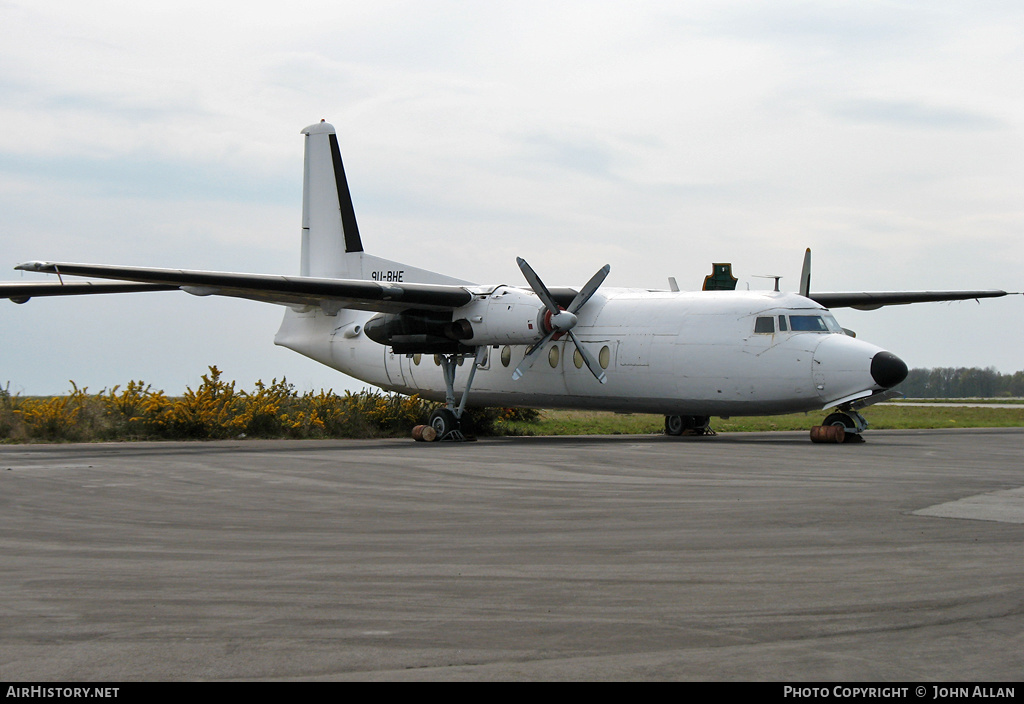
<point x="888" y="370"/>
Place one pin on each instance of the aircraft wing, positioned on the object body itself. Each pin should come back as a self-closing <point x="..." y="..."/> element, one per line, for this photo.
<point x="870" y="300"/>
<point x="21" y="292"/>
<point x="284" y="290"/>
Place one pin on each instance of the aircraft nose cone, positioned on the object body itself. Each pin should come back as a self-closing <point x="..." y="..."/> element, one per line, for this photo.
<point x="888" y="370"/>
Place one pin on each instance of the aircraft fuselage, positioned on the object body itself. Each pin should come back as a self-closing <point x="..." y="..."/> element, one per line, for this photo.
<point x="692" y="353"/>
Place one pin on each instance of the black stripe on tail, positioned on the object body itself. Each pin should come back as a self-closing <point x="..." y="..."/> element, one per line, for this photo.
<point x="348" y="214"/>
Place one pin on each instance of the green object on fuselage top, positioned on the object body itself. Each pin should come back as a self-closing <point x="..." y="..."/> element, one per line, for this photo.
<point x="721" y="278"/>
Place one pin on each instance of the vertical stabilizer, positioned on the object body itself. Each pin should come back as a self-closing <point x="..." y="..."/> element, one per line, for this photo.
<point x="329" y="229"/>
<point x="331" y="246"/>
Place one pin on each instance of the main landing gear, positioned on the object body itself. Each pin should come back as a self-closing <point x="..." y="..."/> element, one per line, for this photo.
<point x="688" y="425"/>
<point x="450" y="423"/>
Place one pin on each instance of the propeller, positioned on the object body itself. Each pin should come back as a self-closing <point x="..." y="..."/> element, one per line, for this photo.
<point x="561" y="322"/>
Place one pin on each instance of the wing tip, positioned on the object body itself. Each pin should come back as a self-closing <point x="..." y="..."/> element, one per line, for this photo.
<point x="33" y="266"/>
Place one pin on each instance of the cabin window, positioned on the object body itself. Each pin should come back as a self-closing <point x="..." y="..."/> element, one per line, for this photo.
<point x="764" y="325"/>
<point x="553" y="356"/>
<point x="604" y="357"/>
<point x="506" y="356"/>
<point x="782" y="324"/>
<point x="416" y="359"/>
<point x="577" y="359"/>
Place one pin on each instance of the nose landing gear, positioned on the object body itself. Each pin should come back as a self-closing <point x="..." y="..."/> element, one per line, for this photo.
<point x="844" y="426"/>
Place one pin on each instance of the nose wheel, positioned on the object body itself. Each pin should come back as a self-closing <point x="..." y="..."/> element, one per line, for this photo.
<point x="844" y="426"/>
<point x="848" y="423"/>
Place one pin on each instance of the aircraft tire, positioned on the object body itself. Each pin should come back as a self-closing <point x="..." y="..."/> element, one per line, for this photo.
<point x="443" y="422"/>
<point x="841" y="419"/>
<point x="466" y="425"/>
<point x="674" y="425"/>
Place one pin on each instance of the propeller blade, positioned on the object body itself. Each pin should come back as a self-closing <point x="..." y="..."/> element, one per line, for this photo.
<point x="531" y="355"/>
<point x="561" y="322"/>
<point x="538" y="286"/>
<point x="589" y="289"/>
<point x="588" y="358"/>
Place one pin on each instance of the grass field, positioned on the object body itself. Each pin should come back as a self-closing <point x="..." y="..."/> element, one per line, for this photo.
<point x="554" y="422"/>
<point x="1009" y="400"/>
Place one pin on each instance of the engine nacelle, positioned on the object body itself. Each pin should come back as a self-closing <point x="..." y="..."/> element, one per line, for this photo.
<point x="415" y="332"/>
<point x="508" y="316"/>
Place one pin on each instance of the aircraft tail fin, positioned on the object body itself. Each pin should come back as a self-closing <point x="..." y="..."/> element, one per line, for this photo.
<point x="331" y="244"/>
<point x="329" y="229"/>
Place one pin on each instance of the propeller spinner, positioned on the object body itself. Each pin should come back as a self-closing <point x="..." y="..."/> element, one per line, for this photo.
<point x="561" y="322"/>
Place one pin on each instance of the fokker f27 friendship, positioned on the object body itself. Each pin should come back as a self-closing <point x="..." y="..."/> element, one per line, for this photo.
<point x="687" y="355"/>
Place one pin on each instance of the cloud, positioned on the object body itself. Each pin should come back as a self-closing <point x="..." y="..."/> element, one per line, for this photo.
<point x="572" y="153"/>
<point x="149" y="176"/>
<point x="914" y="115"/>
<point x="657" y="136"/>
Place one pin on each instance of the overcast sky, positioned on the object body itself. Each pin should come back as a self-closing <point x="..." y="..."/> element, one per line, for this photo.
<point x="658" y="137"/>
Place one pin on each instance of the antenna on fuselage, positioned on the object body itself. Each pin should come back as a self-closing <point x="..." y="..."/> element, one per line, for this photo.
<point x="770" y="276"/>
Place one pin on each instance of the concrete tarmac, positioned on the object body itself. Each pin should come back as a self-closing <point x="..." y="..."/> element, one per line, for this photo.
<point x="754" y="556"/>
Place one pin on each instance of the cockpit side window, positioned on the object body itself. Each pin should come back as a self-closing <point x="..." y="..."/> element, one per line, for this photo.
<point x="782" y="324"/>
<point x="833" y="325"/>
<point x="764" y="324"/>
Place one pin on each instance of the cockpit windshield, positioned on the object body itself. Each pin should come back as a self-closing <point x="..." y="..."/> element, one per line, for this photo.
<point x="823" y="322"/>
<point x="814" y="323"/>
<point x="808" y="323"/>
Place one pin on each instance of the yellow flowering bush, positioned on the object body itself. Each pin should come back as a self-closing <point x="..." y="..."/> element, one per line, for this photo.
<point x="56" y="418"/>
<point x="217" y="409"/>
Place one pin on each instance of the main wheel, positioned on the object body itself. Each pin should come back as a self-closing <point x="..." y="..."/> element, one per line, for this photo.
<point x="674" y="425"/>
<point x="443" y="422"/>
<point x="467" y="425"/>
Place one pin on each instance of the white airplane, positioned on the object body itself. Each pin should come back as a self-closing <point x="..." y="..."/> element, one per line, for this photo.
<point x="687" y="355"/>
